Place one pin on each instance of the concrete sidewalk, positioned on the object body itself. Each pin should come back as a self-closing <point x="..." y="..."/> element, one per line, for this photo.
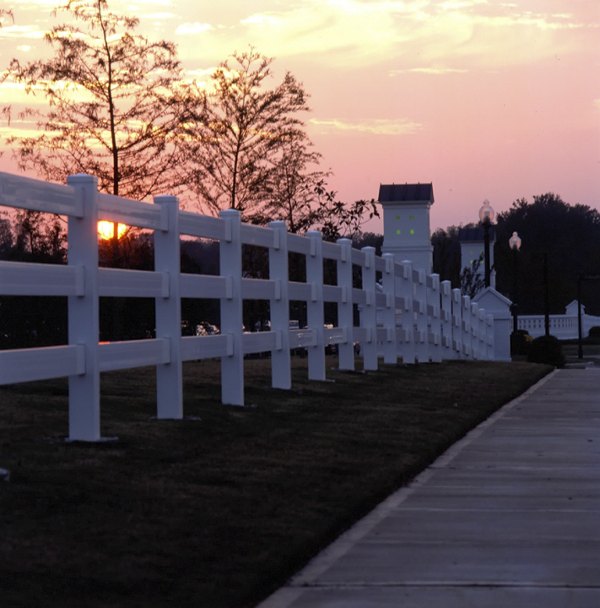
<point x="509" y="517"/>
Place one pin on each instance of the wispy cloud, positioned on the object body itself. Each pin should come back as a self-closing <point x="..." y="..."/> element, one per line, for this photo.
<point x="372" y="126"/>
<point x="433" y="71"/>
<point x="160" y="16"/>
<point x="140" y="7"/>
<point x="418" y="36"/>
<point x="25" y="32"/>
<point x="189" y="29"/>
<point x="19" y="128"/>
<point x="467" y="34"/>
<point x="27" y="5"/>
<point x="264" y="19"/>
<point x="14" y="93"/>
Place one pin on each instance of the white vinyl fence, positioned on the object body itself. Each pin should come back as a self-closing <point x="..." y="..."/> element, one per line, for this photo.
<point x="403" y="313"/>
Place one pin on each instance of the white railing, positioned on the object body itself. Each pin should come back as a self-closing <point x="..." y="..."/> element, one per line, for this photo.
<point x="403" y="313"/>
<point x="563" y="327"/>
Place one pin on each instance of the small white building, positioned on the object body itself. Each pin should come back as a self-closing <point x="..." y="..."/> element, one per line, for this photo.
<point x="406" y="230"/>
<point x="499" y="306"/>
<point x="472" y="249"/>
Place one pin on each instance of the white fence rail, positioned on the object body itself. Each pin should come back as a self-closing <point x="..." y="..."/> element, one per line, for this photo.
<point x="403" y="313"/>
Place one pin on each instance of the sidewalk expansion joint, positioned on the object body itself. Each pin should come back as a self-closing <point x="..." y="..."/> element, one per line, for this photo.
<point x="435" y="584"/>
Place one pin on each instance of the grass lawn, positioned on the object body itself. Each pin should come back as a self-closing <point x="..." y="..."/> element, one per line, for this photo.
<point x="219" y="509"/>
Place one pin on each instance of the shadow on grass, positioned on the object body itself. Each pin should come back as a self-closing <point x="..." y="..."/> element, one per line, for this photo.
<point x="221" y="508"/>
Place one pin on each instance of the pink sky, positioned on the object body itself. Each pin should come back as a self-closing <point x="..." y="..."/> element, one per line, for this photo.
<point x="486" y="99"/>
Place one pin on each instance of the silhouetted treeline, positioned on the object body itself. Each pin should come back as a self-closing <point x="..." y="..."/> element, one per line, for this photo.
<point x="568" y="234"/>
<point x="42" y="321"/>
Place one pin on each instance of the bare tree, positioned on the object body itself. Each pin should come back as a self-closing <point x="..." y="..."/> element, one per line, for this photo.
<point x="111" y="111"/>
<point x="295" y="188"/>
<point x="471" y="278"/>
<point x="236" y="131"/>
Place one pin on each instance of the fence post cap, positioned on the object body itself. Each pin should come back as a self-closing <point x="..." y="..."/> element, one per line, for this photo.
<point x="82" y="178"/>
<point x="166" y="199"/>
<point x="229" y="213"/>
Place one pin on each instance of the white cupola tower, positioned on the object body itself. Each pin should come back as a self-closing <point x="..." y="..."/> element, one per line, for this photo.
<point x="406" y="231"/>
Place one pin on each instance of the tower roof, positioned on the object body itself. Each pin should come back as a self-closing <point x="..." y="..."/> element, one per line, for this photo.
<point x="405" y="193"/>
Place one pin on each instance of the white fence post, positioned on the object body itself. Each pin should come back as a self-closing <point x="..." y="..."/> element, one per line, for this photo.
<point x="169" y="389"/>
<point x="482" y="338"/>
<point x="315" y="313"/>
<point x="433" y="312"/>
<point x="345" y="309"/>
<point x="408" y="350"/>
<point x="280" y="307"/>
<point x="489" y="318"/>
<point x="420" y="305"/>
<point x="457" y="326"/>
<point x="84" y="322"/>
<point x="475" y="330"/>
<point x="446" y="315"/>
<point x="466" y="327"/>
<point x="388" y="282"/>
<point x="232" y="317"/>
<point x="368" y="316"/>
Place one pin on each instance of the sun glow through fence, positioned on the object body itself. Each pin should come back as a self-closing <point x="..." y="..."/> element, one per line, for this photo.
<point x="106" y="230"/>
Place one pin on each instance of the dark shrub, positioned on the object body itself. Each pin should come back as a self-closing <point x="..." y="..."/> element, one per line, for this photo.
<point x="520" y="342"/>
<point x="546" y="350"/>
<point x="595" y="332"/>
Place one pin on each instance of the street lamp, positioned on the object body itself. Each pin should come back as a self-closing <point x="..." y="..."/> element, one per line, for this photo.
<point x="546" y="297"/>
<point x="486" y="217"/>
<point x="514" y="242"/>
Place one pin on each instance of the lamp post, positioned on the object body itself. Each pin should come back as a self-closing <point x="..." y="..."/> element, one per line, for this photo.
<point x="546" y="297"/>
<point x="514" y="242"/>
<point x="579" y="323"/>
<point x="486" y="217"/>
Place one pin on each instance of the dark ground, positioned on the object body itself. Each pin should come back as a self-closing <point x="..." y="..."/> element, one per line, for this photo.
<point x="219" y="509"/>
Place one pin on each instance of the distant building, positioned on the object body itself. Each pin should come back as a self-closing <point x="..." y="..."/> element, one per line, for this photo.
<point x="471" y="249"/>
<point x="406" y="229"/>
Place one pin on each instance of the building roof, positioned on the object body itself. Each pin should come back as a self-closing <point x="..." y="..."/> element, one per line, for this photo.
<point x="474" y="234"/>
<point x="406" y="193"/>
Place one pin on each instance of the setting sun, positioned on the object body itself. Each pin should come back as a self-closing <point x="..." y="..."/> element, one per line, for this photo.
<point x="106" y="230"/>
